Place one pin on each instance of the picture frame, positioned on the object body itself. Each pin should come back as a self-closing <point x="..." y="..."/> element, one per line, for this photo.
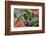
<point x="10" y="5"/>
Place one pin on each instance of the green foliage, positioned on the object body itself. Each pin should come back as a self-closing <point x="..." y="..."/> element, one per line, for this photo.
<point x="34" y="21"/>
<point x="27" y="16"/>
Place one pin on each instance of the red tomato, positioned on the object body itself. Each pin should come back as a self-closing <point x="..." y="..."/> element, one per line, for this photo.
<point x="35" y="13"/>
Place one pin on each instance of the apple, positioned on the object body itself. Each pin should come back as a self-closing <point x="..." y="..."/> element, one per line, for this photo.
<point x="35" y="13"/>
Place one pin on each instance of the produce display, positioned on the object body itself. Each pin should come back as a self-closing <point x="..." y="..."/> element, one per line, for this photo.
<point x="26" y="17"/>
